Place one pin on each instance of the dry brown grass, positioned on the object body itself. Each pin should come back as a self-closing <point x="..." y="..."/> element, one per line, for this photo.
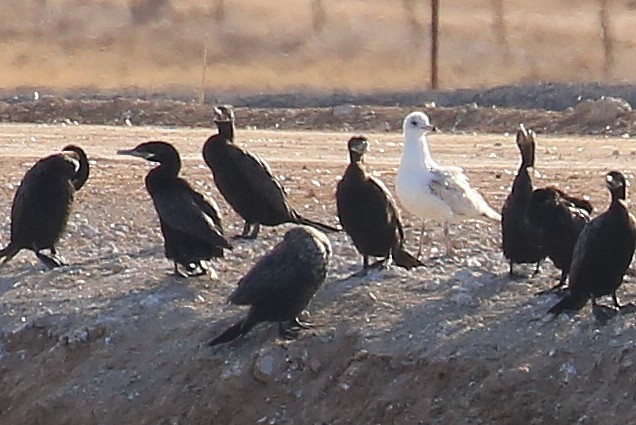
<point x="366" y="45"/>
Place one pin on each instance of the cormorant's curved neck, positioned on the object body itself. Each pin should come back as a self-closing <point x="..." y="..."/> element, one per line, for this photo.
<point x="356" y="157"/>
<point x="168" y="167"/>
<point x="226" y="129"/>
<point x="82" y="173"/>
<point x="619" y="193"/>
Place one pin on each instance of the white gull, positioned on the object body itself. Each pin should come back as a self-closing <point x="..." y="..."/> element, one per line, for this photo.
<point x="431" y="191"/>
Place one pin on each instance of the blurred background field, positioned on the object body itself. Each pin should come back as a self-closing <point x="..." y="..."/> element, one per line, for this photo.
<point x="330" y="45"/>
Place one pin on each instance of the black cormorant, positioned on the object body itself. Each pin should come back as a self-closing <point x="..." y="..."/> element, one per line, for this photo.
<point x="602" y="254"/>
<point x="246" y="181"/>
<point x="191" y="225"/>
<point x="281" y="284"/>
<point x="368" y="213"/>
<point x="41" y="207"/>
<point x="559" y="219"/>
<point x="519" y="238"/>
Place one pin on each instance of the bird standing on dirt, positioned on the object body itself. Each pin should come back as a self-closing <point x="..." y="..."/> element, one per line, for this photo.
<point x="558" y="219"/>
<point x="42" y="205"/>
<point x="519" y="240"/>
<point x="281" y="284"/>
<point x="431" y="191"/>
<point x="368" y="213"/>
<point x="191" y="225"/>
<point x="602" y="255"/>
<point x="246" y="181"/>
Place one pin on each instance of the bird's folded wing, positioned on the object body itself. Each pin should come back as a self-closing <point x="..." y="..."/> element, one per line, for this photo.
<point x="208" y="207"/>
<point x="452" y="188"/>
<point x="278" y="270"/>
<point x="181" y="213"/>
<point x="255" y="172"/>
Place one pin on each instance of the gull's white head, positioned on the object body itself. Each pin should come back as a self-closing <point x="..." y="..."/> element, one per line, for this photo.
<point x="417" y="123"/>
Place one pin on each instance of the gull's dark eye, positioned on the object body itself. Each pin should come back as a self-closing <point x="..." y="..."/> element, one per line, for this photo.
<point x="413" y="122"/>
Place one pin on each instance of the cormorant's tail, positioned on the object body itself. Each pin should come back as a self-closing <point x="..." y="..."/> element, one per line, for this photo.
<point x="316" y="225"/>
<point x="404" y="259"/>
<point x="235" y="331"/>
<point x="8" y="253"/>
<point x="572" y="301"/>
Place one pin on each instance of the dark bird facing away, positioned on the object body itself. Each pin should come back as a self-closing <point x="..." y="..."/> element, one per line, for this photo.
<point x="519" y="239"/>
<point x="281" y="284"/>
<point x="84" y="168"/>
<point x="368" y="213"/>
<point x="559" y="219"/>
<point x="191" y="225"/>
<point x="246" y="181"/>
<point x="42" y="205"/>
<point x="601" y="256"/>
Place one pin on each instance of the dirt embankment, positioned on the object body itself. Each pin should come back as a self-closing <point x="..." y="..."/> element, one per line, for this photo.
<point x="115" y="338"/>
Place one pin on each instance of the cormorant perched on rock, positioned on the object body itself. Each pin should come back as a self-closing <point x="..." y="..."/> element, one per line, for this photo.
<point x="246" y="181"/>
<point x="41" y="207"/>
<point x="191" y="225"/>
<point x="432" y="191"/>
<point x="519" y="238"/>
<point x="281" y="284"/>
<point x="558" y="219"/>
<point x="368" y="213"/>
<point x="84" y="168"/>
<point x="602" y="254"/>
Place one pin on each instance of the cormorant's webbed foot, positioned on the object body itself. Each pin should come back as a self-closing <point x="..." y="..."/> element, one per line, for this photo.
<point x="196" y="269"/>
<point x="382" y="264"/>
<point x="603" y="314"/>
<point x="178" y="272"/>
<point x="287" y="332"/>
<point x="249" y="232"/>
<point x="556" y="289"/>
<point x="51" y="261"/>
<point x="302" y="325"/>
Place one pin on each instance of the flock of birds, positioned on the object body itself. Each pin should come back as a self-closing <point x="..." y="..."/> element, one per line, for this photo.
<point x="537" y="223"/>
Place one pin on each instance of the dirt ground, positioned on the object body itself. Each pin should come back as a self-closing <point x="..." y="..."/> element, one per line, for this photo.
<point x="115" y="338"/>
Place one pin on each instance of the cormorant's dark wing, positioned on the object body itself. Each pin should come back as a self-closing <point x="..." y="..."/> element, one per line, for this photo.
<point x="577" y="202"/>
<point x="571" y="216"/>
<point x="273" y="273"/>
<point x="259" y="177"/>
<point x="382" y="192"/>
<point x="178" y="210"/>
<point x="208" y="207"/>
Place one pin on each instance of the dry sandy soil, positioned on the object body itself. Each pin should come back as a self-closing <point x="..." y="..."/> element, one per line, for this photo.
<point x="115" y="338"/>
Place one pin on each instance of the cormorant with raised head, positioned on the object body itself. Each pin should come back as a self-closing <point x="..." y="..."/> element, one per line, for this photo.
<point x="191" y="225"/>
<point x="602" y="255"/>
<point x="519" y="239"/>
<point x="246" y="181"/>
<point x="42" y="205"/>
<point x="558" y="219"/>
<point x="281" y="284"/>
<point x="368" y="213"/>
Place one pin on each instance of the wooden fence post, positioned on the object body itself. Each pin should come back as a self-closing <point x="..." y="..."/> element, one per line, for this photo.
<point x="606" y="38"/>
<point x="434" y="42"/>
<point x="499" y="28"/>
<point x="318" y="15"/>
